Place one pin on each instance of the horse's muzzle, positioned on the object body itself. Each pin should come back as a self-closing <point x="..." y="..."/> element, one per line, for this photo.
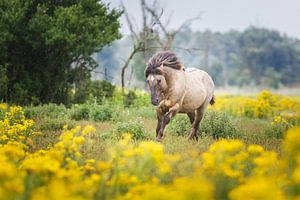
<point x="155" y="101"/>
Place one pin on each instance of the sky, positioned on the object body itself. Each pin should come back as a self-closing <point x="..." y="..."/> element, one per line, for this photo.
<point x="222" y="16"/>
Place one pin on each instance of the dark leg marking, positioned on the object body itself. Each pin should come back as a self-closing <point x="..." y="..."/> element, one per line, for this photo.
<point x="191" y="117"/>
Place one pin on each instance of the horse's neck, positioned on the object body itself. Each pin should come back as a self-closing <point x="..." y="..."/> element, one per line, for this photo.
<point x="175" y="81"/>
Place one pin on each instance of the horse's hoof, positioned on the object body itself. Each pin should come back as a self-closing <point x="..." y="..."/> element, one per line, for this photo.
<point x="158" y="139"/>
<point x="193" y="137"/>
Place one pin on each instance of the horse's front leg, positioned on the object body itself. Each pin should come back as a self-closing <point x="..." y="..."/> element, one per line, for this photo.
<point x="159" y="115"/>
<point x="166" y="119"/>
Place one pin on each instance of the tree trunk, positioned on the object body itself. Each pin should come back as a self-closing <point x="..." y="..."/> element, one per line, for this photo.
<point x="135" y="50"/>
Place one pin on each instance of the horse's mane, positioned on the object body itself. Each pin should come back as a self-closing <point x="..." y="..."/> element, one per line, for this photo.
<point x="165" y="58"/>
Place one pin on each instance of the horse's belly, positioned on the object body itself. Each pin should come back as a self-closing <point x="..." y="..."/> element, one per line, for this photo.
<point x="192" y="102"/>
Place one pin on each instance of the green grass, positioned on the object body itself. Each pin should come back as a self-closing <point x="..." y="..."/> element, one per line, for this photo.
<point x="106" y="118"/>
<point x="251" y="131"/>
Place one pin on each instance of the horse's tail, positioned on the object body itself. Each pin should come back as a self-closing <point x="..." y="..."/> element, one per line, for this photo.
<point x="212" y="101"/>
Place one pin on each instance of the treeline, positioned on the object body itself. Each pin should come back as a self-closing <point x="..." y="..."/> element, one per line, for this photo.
<point x="254" y="57"/>
<point x="47" y="52"/>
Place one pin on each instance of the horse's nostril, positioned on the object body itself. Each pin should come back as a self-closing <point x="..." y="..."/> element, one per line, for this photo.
<point x="157" y="100"/>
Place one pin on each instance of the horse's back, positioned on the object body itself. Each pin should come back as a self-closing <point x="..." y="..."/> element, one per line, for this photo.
<point x="199" y="88"/>
<point x="200" y="77"/>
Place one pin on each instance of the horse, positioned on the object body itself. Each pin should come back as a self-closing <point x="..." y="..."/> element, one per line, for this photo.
<point x="175" y="89"/>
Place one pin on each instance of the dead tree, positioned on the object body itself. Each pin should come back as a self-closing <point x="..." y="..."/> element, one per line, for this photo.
<point x="164" y="38"/>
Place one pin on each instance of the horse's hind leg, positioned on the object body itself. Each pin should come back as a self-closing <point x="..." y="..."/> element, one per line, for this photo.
<point x="191" y="117"/>
<point x="198" y="117"/>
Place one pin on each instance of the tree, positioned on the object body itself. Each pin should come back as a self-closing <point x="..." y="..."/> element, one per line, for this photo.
<point x="154" y="35"/>
<point x="48" y="45"/>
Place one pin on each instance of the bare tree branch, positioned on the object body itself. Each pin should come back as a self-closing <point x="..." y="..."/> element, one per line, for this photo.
<point x="143" y="41"/>
<point x="103" y="73"/>
<point x="188" y="22"/>
<point x="134" y="35"/>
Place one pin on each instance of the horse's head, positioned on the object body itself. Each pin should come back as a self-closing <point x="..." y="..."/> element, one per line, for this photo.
<point x="155" y="72"/>
<point x="157" y="85"/>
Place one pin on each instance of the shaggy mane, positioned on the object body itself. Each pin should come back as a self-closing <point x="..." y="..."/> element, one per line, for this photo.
<point x="167" y="58"/>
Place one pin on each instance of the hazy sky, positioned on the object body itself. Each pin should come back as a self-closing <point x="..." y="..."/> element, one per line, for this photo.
<point x="221" y="15"/>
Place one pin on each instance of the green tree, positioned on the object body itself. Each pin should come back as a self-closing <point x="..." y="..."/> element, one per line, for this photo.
<point x="47" y="45"/>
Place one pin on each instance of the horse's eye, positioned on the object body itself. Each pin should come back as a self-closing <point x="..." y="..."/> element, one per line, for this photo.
<point x="158" y="80"/>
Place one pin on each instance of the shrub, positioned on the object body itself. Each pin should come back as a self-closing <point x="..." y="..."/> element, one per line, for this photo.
<point x="102" y="89"/>
<point x="101" y="113"/>
<point x="180" y="125"/>
<point x="55" y="124"/>
<point x="214" y="123"/>
<point x="135" y="128"/>
<point x="276" y="128"/>
<point x="218" y="124"/>
<point x="130" y="98"/>
<point x="3" y="109"/>
<point x="50" y="110"/>
<point x="80" y="112"/>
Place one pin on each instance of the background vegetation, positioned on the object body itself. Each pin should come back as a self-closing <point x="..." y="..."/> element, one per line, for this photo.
<point x="256" y="57"/>
<point x="79" y="138"/>
<point x="46" y="47"/>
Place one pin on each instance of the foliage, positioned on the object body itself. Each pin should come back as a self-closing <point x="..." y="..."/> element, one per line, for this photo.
<point x="3" y="83"/>
<point x="134" y="128"/>
<point x="91" y="111"/>
<point x="100" y="113"/>
<point x="180" y="125"/>
<point x="277" y="128"/>
<point x="80" y="112"/>
<point x="55" y="41"/>
<point x="47" y="110"/>
<point x="229" y="169"/>
<point x="265" y="105"/>
<point x="100" y="91"/>
<point x="14" y="126"/>
<point x="216" y="124"/>
<point x="219" y="125"/>
<point x="256" y="56"/>
<point x="132" y="98"/>
<point x="129" y="99"/>
<point x="55" y="124"/>
<point x="3" y="109"/>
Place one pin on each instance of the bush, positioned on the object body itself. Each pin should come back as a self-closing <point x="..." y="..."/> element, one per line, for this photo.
<point x="3" y="110"/>
<point x="135" y="128"/>
<point x="180" y="125"/>
<point x="101" y="113"/>
<point x="276" y="128"/>
<point x="55" y="124"/>
<point x="50" y="110"/>
<point x="80" y="112"/>
<point x="129" y="99"/>
<point x="218" y="124"/>
<point x="102" y="89"/>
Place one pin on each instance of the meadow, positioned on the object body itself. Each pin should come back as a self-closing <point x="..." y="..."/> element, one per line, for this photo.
<point x="248" y="149"/>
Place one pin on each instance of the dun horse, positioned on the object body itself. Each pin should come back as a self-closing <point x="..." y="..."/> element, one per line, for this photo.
<point x="175" y="89"/>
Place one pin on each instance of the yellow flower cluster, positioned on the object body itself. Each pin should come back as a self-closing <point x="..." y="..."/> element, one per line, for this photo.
<point x="229" y="169"/>
<point x="264" y="105"/>
<point x="3" y="106"/>
<point x="14" y="126"/>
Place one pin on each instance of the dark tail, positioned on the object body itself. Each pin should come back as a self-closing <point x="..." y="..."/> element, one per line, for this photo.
<point x="212" y="101"/>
